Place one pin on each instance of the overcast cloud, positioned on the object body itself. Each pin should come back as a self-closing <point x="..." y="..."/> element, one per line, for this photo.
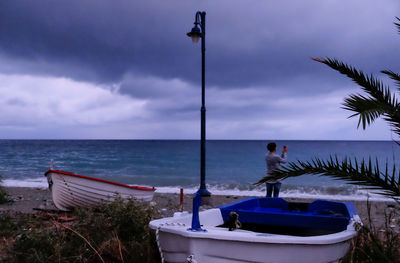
<point x="126" y="69"/>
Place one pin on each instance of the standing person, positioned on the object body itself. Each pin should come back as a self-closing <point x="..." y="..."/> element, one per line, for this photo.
<point x="273" y="162"/>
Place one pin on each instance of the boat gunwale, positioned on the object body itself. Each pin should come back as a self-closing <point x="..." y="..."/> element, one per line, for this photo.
<point x="216" y="233"/>
<point x="256" y="237"/>
<point x="93" y="191"/>
<point x="142" y="188"/>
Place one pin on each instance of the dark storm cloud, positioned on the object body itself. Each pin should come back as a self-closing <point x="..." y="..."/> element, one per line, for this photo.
<point x="126" y="69"/>
<point x="108" y="38"/>
<point x="252" y="43"/>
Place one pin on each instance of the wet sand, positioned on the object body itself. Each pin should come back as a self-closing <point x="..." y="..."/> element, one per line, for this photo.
<point x="26" y="200"/>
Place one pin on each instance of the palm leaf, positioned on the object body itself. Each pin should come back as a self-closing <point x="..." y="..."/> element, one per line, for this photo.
<point x="355" y="173"/>
<point x="393" y="76"/>
<point x="380" y="101"/>
<point x="397" y="24"/>
<point x="368" y="109"/>
<point x="371" y="85"/>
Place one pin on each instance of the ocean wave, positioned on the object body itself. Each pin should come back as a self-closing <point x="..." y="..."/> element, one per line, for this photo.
<point x="31" y="182"/>
<point x="341" y="192"/>
<point x="356" y="194"/>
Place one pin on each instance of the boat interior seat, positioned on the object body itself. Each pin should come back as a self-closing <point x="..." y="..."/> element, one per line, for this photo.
<point x="275" y="212"/>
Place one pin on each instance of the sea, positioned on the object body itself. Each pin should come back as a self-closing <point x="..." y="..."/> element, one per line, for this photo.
<point x="232" y="166"/>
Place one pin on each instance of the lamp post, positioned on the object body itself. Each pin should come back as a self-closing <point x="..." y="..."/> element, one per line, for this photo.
<point x="196" y="34"/>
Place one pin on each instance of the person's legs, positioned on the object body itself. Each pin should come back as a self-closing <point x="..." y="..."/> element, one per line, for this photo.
<point x="269" y="189"/>
<point x="277" y="187"/>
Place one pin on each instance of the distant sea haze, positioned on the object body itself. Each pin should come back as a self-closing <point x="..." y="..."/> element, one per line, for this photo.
<point x="168" y="165"/>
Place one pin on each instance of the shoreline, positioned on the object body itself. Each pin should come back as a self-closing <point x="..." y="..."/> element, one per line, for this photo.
<point x="25" y="200"/>
<point x="333" y="193"/>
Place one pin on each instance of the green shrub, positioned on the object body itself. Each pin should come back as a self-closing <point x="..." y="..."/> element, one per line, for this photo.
<point x="36" y="246"/>
<point x="116" y="232"/>
<point x="9" y="225"/>
<point x="368" y="247"/>
<point x="372" y="245"/>
<point x="125" y="226"/>
<point x="3" y="195"/>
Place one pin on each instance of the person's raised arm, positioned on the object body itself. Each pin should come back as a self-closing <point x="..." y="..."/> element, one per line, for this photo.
<point x="284" y="158"/>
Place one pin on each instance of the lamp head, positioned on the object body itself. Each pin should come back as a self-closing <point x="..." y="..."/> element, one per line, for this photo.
<point x="195" y="34"/>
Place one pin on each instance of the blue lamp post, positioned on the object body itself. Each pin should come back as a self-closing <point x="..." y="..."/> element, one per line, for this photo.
<point x="197" y="33"/>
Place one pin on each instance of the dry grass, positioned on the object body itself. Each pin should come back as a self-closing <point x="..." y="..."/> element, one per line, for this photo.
<point x="373" y="245"/>
<point x="4" y="198"/>
<point x="116" y="232"/>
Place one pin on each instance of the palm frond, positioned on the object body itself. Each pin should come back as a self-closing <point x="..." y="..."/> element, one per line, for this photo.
<point x="368" y="109"/>
<point x="374" y="87"/>
<point x="381" y="102"/>
<point x="357" y="173"/>
<point x="397" y="24"/>
<point x="393" y="76"/>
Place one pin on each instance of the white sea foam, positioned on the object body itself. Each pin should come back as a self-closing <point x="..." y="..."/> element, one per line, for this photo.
<point x="313" y="193"/>
<point x="359" y="195"/>
<point x="31" y="182"/>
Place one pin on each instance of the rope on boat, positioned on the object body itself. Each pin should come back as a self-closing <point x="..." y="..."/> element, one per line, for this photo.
<point x="158" y="243"/>
<point x="158" y="239"/>
<point x="190" y="259"/>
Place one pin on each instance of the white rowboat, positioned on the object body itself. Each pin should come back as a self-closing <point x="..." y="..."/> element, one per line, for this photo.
<point x="70" y="190"/>
<point x="332" y="226"/>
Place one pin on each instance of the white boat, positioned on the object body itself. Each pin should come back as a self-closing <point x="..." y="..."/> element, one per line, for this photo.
<point x="321" y="232"/>
<point x="70" y="190"/>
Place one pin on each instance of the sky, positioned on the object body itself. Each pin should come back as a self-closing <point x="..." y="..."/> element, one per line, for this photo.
<point x="125" y="69"/>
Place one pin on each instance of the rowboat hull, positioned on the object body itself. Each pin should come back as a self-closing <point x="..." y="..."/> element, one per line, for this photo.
<point x="219" y="245"/>
<point x="71" y="190"/>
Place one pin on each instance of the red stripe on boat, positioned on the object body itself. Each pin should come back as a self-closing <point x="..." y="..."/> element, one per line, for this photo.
<point x="101" y="180"/>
